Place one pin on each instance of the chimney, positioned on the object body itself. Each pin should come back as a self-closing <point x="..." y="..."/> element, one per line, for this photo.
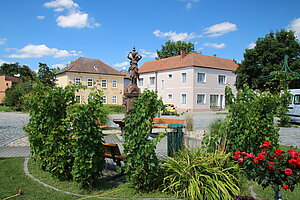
<point x="182" y="54"/>
<point x="234" y="61"/>
<point x="215" y="55"/>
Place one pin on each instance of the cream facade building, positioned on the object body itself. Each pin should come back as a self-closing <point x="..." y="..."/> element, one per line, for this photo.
<point x="93" y="73"/>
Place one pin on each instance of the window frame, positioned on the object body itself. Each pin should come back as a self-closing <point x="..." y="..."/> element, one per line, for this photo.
<point x="114" y="97"/>
<point x="76" y="80"/>
<point x="114" y="83"/>
<point x="182" y="98"/>
<point x="152" y="78"/>
<point x="225" y="79"/>
<point x="78" y="100"/>
<point x="183" y="78"/>
<point x="170" y="94"/>
<point x="141" y="82"/>
<point x="204" y="81"/>
<point x="204" y="99"/>
<point x="103" y="82"/>
<point x="104" y="99"/>
<point x="88" y="81"/>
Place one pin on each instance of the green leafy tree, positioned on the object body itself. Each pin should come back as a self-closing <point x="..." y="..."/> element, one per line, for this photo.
<point x="12" y="69"/>
<point x="267" y="56"/>
<point x="173" y="49"/>
<point x="142" y="165"/>
<point x="46" y="75"/>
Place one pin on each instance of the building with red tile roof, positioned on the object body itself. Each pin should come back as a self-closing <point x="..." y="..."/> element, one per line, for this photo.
<point x="93" y="73"/>
<point x="7" y="81"/>
<point x="189" y="81"/>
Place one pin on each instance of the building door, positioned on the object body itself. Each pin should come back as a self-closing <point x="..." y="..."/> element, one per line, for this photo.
<point x="214" y="100"/>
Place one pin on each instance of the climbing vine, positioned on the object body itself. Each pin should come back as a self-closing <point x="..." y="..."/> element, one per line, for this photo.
<point x="142" y="165"/>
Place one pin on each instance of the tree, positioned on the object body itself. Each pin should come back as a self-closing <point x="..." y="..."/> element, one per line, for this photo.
<point x="173" y="49"/>
<point x="266" y="57"/>
<point x="46" y="75"/>
<point x="13" y="69"/>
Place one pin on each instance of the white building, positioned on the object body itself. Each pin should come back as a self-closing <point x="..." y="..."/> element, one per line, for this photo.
<point x="189" y="81"/>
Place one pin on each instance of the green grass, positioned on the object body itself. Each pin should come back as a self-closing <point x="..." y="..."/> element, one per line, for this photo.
<point x="5" y="109"/>
<point x="13" y="178"/>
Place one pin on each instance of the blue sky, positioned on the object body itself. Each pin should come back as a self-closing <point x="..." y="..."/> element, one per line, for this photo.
<point x="56" y="32"/>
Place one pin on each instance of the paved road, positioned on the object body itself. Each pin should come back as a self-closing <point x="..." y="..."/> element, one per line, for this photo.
<point x="11" y="124"/>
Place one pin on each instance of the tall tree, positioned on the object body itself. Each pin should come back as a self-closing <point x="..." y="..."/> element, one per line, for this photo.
<point x="46" y="75"/>
<point x="173" y="49"/>
<point x="266" y="57"/>
<point x="13" y="69"/>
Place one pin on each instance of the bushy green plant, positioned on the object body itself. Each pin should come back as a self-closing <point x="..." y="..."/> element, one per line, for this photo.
<point x="217" y="136"/>
<point x="142" y="165"/>
<point x="251" y="120"/>
<point x="200" y="174"/>
<point x="112" y="108"/>
<point x="64" y="135"/>
<point x="88" y="148"/>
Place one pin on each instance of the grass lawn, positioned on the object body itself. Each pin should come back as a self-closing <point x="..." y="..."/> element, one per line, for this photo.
<point x="13" y="178"/>
<point x="5" y="109"/>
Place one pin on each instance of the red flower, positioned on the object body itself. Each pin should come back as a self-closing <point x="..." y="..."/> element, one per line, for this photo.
<point x="251" y="155"/>
<point x="236" y="157"/>
<point x="265" y="145"/>
<point x="293" y="154"/>
<point x="298" y="161"/>
<point x="237" y="153"/>
<point x="292" y="162"/>
<point x="288" y="171"/>
<point x="263" y="153"/>
<point x="286" y="187"/>
<point x="271" y="166"/>
<point x="255" y="161"/>
<point x="278" y="151"/>
<point x="260" y="157"/>
<point x="240" y="160"/>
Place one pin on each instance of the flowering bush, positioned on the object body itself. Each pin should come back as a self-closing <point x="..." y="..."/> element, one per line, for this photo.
<point x="276" y="168"/>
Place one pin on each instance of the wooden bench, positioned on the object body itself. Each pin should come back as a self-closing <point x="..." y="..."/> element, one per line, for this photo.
<point x="112" y="151"/>
<point x="163" y="122"/>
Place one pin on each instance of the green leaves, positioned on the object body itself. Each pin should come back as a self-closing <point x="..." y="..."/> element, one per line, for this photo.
<point x="199" y="174"/>
<point x="56" y="117"/>
<point x="142" y="165"/>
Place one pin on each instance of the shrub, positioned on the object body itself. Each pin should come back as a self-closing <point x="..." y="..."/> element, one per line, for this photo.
<point x="251" y="120"/>
<point x="142" y="165"/>
<point x="200" y="174"/>
<point x="217" y="136"/>
<point x="112" y="109"/>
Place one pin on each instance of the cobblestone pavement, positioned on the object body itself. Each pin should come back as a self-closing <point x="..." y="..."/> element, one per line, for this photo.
<point x="11" y="124"/>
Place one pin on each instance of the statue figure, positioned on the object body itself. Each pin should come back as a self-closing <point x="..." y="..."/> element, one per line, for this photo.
<point x="135" y="57"/>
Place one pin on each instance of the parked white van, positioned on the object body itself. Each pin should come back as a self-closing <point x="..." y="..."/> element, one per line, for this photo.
<point x="294" y="107"/>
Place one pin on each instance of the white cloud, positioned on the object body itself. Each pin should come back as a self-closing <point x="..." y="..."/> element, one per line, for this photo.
<point x="38" y="51"/>
<point x="74" y="18"/>
<point x="251" y="45"/>
<point x="214" y="45"/>
<point x="3" y="61"/>
<point x="189" y="6"/>
<point x="40" y="17"/>
<point x="295" y="26"/>
<point x="176" y="36"/>
<point x="61" y="66"/>
<point x="2" y="41"/>
<point x="220" y="29"/>
<point x="61" y="5"/>
<point x="148" y="54"/>
<point x="121" y="64"/>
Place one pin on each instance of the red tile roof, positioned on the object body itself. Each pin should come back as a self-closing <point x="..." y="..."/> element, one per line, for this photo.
<point x="88" y="65"/>
<point x="192" y="59"/>
<point x="12" y="79"/>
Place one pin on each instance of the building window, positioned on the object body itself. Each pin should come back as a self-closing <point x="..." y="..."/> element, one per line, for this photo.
<point x="183" y="77"/>
<point x="7" y="84"/>
<point x="141" y="81"/>
<point x="162" y="84"/>
<point x="170" y="96"/>
<point x="170" y="76"/>
<point x="77" y="81"/>
<point x="297" y="99"/>
<point x="214" y="99"/>
<point x="90" y="82"/>
<point x="201" y="78"/>
<point x="151" y="80"/>
<point x="103" y="83"/>
<point x="222" y="79"/>
<point x="114" y="83"/>
<point x="200" y="98"/>
<point x="114" y="99"/>
<point x="183" y="99"/>
<point x="77" y="98"/>
<point x="104" y="99"/>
